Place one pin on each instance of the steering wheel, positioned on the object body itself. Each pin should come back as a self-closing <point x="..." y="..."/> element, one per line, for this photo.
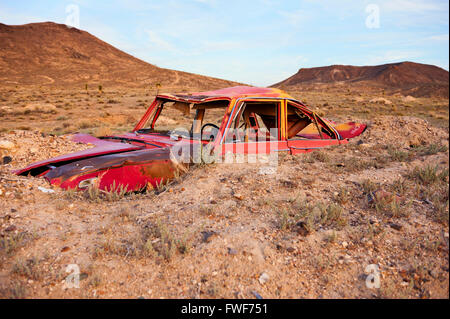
<point x="213" y="132"/>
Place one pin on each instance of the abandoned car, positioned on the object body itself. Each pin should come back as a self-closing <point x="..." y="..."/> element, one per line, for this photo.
<point x="247" y="120"/>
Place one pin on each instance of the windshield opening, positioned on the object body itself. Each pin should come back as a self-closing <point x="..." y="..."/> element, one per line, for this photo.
<point x="186" y="119"/>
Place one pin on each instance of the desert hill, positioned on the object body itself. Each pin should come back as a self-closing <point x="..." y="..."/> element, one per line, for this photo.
<point x="50" y="53"/>
<point x="405" y="77"/>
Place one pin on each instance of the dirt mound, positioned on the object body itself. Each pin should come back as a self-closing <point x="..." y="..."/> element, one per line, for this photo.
<point x="54" y="54"/>
<point x="22" y="148"/>
<point x="405" y="77"/>
<point x="26" y="147"/>
<point x="380" y="100"/>
<point x="228" y="231"/>
<point x="403" y="132"/>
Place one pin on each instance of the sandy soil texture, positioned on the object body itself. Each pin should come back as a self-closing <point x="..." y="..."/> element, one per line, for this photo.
<point x="227" y="230"/>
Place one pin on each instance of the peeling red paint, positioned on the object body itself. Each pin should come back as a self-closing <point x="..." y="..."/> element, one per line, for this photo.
<point x="142" y="158"/>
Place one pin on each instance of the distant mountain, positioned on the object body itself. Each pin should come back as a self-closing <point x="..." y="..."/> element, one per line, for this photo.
<point x="50" y="53"/>
<point x="405" y="77"/>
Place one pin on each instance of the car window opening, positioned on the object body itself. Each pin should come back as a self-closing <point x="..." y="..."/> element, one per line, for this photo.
<point x="255" y="122"/>
<point x="301" y="125"/>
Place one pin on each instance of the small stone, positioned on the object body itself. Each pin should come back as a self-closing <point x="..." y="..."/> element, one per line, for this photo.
<point x="396" y="226"/>
<point x="263" y="278"/>
<point x="239" y="196"/>
<point x="232" y="251"/>
<point x="6" y="159"/>
<point x="344" y="244"/>
<point x="256" y="294"/>
<point x="290" y="249"/>
<point x="302" y="228"/>
<point x="11" y="228"/>
<point x="65" y="248"/>
<point x="208" y="236"/>
<point x="7" y="145"/>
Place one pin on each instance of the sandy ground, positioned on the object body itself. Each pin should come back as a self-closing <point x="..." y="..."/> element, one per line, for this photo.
<point x="229" y="231"/>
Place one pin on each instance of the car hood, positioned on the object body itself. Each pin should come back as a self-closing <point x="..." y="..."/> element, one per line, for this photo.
<point x="102" y="147"/>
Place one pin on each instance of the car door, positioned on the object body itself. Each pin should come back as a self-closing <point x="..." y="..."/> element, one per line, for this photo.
<point x="305" y="131"/>
<point x="256" y="126"/>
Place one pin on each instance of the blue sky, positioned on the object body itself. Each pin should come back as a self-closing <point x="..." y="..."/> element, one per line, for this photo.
<point x="258" y="42"/>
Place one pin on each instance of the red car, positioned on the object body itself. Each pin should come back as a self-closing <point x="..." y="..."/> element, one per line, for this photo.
<point x="249" y="120"/>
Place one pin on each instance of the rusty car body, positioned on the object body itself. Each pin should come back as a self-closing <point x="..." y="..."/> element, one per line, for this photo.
<point x="252" y="120"/>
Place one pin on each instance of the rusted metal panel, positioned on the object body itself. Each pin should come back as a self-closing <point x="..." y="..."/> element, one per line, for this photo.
<point x="132" y="169"/>
<point x="138" y="159"/>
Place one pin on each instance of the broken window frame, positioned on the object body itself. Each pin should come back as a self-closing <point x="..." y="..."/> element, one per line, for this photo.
<point x="238" y="112"/>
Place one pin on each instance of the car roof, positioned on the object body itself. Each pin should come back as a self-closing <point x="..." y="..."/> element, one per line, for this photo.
<point x="226" y="94"/>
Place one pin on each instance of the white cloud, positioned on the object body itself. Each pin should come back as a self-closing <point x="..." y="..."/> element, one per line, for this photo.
<point x="156" y="40"/>
<point x="392" y="56"/>
<point x="439" y="37"/>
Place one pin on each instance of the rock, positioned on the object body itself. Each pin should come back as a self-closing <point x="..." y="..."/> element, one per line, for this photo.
<point x="238" y="196"/>
<point x="409" y="98"/>
<point x="381" y="100"/>
<point x="7" y="145"/>
<point x="414" y="142"/>
<point x="289" y="184"/>
<point x="232" y="251"/>
<point x="344" y="244"/>
<point x="64" y="249"/>
<point x="263" y="278"/>
<point x="11" y="228"/>
<point x="207" y="236"/>
<point x="256" y="294"/>
<point x="290" y="249"/>
<point x="45" y="190"/>
<point x="301" y="228"/>
<point x="396" y="226"/>
<point x="6" y="159"/>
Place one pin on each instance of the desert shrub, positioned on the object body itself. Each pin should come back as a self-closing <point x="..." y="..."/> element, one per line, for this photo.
<point x="428" y="175"/>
